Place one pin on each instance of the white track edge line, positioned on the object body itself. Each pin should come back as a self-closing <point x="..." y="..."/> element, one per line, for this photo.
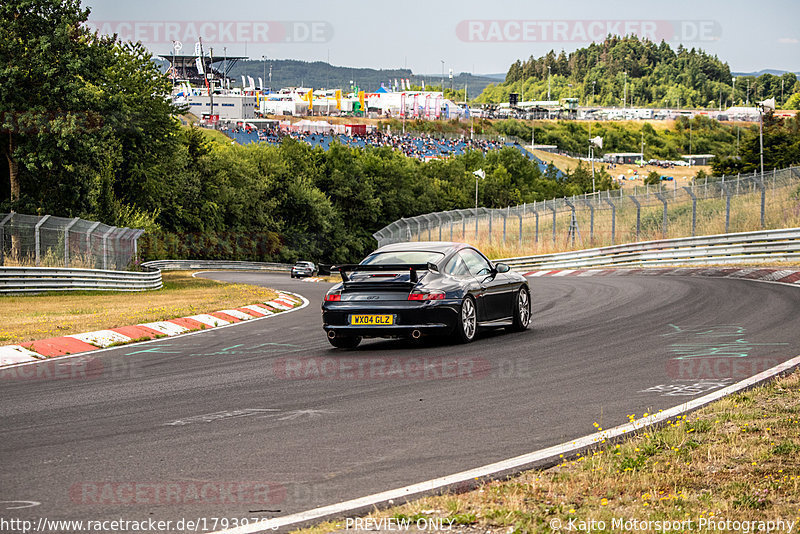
<point x="512" y="463"/>
<point x="305" y="302"/>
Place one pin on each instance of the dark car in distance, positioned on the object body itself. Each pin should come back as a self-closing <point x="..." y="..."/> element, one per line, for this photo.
<point x="424" y="288"/>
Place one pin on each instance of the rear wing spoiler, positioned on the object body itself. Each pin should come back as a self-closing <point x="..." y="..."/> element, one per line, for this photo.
<point x="412" y="268"/>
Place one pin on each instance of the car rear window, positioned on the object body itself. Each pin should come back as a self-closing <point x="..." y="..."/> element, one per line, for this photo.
<point x="403" y="257"/>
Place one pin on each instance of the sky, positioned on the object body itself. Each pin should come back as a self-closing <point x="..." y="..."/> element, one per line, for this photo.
<point x="478" y="36"/>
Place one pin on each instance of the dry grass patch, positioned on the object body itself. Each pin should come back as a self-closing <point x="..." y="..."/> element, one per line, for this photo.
<point x="737" y="459"/>
<point x="683" y="175"/>
<point x="28" y="318"/>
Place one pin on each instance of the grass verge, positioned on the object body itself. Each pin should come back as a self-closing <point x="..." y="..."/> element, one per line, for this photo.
<point x="32" y="317"/>
<point x="737" y="459"/>
<point x="682" y="175"/>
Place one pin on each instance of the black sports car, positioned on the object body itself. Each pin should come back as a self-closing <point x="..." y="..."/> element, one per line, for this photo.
<point x="424" y="288"/>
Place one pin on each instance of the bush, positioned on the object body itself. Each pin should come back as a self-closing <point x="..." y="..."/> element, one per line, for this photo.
<point x="654" y="178"/>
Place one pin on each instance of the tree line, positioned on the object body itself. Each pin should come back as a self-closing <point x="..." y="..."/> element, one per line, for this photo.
<point x="292" y="201"/>
<point x="642" y="73"/>
<point x="89" y="130"/>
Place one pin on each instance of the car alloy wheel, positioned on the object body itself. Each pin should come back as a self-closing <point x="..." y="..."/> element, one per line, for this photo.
<point x="524" y="308"/>
<point x="468" y="318"/>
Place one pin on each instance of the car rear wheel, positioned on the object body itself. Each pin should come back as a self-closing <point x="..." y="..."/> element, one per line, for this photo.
<point x="345" y="342"/>
<point x="522" y="310"/>
<point x="467" y="324"/>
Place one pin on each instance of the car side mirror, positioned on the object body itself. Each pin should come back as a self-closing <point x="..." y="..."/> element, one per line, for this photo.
<point x="501" y="268"/>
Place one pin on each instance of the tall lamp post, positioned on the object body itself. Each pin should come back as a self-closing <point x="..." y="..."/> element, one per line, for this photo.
<point x="548" y="82"/>
<point x="480" y="173"/>
<point x="594" y="142"/>
<point x="762" y="107"/>
<point x="625" y="92"/>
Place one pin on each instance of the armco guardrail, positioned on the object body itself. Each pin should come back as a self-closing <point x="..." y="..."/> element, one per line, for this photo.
<point x="768" y="245"/>
<point x="175" y="265"/>
<point x="40" y="279"/>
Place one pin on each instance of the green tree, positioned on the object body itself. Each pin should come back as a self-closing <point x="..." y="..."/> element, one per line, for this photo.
<point x="654" y="178"/>
<point x="53" y="140"/>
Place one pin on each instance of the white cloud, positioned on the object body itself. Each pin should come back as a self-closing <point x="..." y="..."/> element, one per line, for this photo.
<point x="788" y="40"/>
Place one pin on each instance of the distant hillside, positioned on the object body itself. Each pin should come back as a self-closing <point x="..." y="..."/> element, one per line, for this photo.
<point x="318" y="74"/>
<point x="633" y="72"/>
<point x="774" y="72"/>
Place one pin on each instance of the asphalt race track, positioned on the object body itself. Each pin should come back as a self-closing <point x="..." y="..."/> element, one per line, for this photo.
<point x="231" y="406"/>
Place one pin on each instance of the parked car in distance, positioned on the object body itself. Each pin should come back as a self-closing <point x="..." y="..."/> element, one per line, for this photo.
<point x="303" y="268"/>
<point x="407" y="290"/>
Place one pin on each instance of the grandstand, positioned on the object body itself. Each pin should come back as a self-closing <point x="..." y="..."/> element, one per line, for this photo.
<point x="420" y="147"/>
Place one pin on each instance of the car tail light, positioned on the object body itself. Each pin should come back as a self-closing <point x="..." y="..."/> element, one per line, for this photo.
<point x="433" y="295"/>
<point x="333" y="296"/>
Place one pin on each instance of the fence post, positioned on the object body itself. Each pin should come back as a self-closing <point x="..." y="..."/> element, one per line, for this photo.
<point x="476" y="224"/>
<point x="536" y="215"/>
<point x="135" y="240"/>
<point x="449" y="216"/>
<point x="553" y="207"/>
<point x="379" y="237"/>
<point x="89" y="233"/>
<point x="490" y="224"/>
<point x="117" y="238"/>
<point x="727" y="192"/>
<point x="613" y="218"/>
<point x="505" y="221"/>
<point x="572" y="208"/>
<point x="66" y="240"/>
<point x="638" y="215"/>
<point x="663" y="199"/>
<point x="463" y="226"/>
<point x="37" y="239"/>
<point x="3" y="235"/>
<point x="439" y="224"/>
<point x="591" y="218"/>
<point x="694" y="209"/>
<point x="520" y="214"/>
<point x="105" y="246"/>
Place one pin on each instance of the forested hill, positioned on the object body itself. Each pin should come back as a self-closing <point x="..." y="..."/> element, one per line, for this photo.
<point x="296" y="73"/>
<point x="656" y="75"/>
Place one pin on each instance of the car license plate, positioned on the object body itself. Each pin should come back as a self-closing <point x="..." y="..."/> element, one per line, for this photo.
<point x="371" y="320"/>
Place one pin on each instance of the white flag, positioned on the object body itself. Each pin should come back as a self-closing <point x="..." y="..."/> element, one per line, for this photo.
<point x="251" y="83"/>
<point x="260" y="82"/>
<point x="244" y="84"/>
<point x="199" y="61"/>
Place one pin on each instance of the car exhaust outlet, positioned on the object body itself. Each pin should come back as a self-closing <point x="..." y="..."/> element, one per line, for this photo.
<point x="416" y="334"/>
<point x="331" y="334"/>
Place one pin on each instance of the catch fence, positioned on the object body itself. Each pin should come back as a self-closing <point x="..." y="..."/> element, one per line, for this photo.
<point x="46" y="241"/>
<point x="713" y="206"/>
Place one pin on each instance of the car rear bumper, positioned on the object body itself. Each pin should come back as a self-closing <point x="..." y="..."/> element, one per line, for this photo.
<point x="432" y="318"/>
